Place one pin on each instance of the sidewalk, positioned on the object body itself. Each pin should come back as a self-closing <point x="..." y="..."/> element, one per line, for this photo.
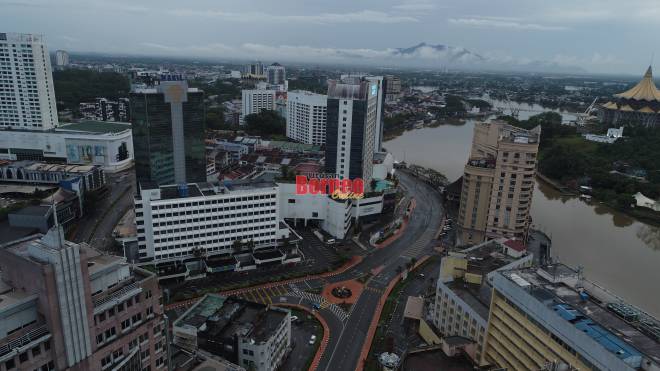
<point x="366" y="347"/>
<point x="402" y="228"/>
<point x="355" y="260"/>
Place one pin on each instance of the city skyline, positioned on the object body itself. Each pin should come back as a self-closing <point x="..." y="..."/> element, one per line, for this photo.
<point x="511" y="35"/>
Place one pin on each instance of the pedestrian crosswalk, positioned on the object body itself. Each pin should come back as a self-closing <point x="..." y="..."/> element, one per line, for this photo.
<point x="373" y="289"/>
<point x="323" y="303"/>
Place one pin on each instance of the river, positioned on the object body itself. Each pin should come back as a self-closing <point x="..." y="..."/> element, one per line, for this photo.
<point x="616" y="251"/>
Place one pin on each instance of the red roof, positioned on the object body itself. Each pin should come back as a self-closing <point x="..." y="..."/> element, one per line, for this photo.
<point x="516" y="245"/>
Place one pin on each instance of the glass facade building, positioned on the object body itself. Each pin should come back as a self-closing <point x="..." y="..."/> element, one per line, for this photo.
<point x="168" y="134"/>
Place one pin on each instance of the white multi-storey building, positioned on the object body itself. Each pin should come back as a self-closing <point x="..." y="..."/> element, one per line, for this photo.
<point x="177" y="222"/>
<point x="61" y="58"/>
<point x="257" y="100"/>
<point x="27" y="96"/>
<point x="307" y="114"/>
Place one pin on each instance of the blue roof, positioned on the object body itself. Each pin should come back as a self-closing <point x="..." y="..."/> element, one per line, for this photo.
<point x="598" y="333"/>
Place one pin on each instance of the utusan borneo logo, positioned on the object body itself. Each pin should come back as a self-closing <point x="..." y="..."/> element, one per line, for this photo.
<point x="340" y="189"/>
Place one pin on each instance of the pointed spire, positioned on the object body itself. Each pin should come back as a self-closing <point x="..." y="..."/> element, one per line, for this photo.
<point x="649" y="73"/>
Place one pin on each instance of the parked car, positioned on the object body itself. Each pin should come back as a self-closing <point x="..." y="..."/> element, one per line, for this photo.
<point x="312" y="340"/>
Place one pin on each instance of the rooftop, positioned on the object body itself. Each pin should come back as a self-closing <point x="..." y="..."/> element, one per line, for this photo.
<point x="34" y="210"/>
<point x="475" y="296"/>
<point x="91" y="126"/>
<point x="617" y="326"/>
<point x="486" y="257"/>
<point x="226" y="317"/>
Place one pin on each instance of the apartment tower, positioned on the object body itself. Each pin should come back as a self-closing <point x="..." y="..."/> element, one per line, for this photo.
<point x="306" y="117"/>
<point x="27" y="96"/>
<point x="498" y="182"/>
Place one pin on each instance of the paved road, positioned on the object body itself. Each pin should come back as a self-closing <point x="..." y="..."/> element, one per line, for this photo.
<point x="96" y="228"/>
<point x="415" y="242"/>
<point x="348" y="331"/>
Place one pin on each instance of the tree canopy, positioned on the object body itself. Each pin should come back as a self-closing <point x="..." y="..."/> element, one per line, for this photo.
<point x="74" y="86"/>
<point x="265" y="123"/>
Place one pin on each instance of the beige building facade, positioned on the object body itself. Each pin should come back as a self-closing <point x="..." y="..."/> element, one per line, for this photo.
<point x="498" y="183"/>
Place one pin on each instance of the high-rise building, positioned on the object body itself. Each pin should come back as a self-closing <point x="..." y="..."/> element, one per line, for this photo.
<point x="351" y="128"/>
<point x="254" y="70"/>
<point x="168" y="133"/>
<point x="61" y="58"/>
<point x="355" y="78"/>
<point x="275" y="74"/>
<point x="498" y="182"/>
<point x="306" y="117"/>
<point x="27" y="96"/>
<point x="552" y="318"/>
<point x="257" y="100"/>
<point x="392" y="87"/>
<point x="65" y="306"/>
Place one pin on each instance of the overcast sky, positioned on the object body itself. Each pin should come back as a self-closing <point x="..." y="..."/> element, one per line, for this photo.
<point x="598" y="35"/>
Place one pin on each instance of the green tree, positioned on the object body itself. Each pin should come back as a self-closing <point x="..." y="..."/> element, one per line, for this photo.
<point x="75" y="86"/>
<point x="265" y="123"/>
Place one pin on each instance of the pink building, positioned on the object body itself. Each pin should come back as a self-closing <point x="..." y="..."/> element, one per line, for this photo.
<point x="65" y="306"/>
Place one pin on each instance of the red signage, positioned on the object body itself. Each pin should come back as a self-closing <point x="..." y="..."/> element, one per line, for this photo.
<point x="337" y="188"/>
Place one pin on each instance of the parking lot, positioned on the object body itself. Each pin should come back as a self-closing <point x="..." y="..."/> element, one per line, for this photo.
<point x="301" y="331"/>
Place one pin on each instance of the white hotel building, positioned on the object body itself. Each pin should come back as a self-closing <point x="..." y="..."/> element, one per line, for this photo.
<point x="175" y="221"/>
<point x="307" y="114"/>
<point x="27" y="96"/>
<point x="257" y="100"/>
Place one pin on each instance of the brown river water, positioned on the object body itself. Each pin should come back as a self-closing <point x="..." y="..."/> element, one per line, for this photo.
<point x="615" y="250"/>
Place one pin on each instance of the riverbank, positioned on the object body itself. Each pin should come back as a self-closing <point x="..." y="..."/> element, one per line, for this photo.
<point x="641" y="214"/>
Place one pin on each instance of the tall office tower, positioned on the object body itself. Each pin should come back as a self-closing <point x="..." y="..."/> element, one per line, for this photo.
<point x="27" y="96"/>
<point x="392" y="87"/>
<point x="65" y="306"/>
<point x="498" y="182"/>
<point x="351" y="128"/>
<point x="354" y="78"/>
<point x="306" y="117"/>
<point x="168" y="133"/>
<point x="275" y="74"/>
<point x="257" y="100"/>
<point x="380" y="118"/>
<point x="61" y="58"/>
<point x="552" y="318"/>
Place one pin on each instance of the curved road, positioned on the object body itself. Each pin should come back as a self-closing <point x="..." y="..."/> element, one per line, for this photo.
<point x="344" y="348"/>
<point x="348" y="331"/>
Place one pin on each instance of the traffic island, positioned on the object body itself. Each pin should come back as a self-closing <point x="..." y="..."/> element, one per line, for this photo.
<point x="344" y="292"/>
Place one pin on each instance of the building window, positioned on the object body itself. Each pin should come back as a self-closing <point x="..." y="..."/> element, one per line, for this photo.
<point x="10" y="364"/>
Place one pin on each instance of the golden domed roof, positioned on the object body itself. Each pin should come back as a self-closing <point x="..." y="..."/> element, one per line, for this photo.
<point x="644" y="90"/>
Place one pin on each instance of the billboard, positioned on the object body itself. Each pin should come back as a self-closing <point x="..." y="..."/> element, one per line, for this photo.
<point x="85" y="153"/>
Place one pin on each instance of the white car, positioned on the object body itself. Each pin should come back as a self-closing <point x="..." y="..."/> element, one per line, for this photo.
<point x="312" y="340"/>
<point x="294" y="318"/>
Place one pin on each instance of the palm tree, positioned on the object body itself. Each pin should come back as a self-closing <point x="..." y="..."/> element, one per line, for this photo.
<point x="237" y="246"/>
